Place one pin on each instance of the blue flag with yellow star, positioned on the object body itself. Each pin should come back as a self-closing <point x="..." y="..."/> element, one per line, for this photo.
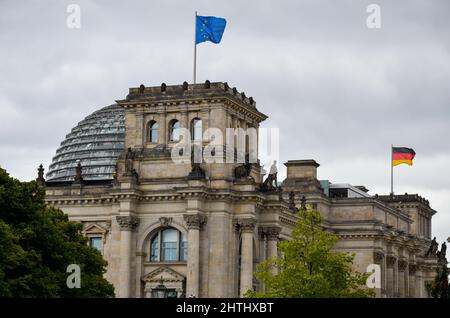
<point x="209" y="29"/>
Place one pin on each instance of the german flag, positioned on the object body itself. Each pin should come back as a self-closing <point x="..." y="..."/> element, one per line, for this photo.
<point x="402" y="155"/>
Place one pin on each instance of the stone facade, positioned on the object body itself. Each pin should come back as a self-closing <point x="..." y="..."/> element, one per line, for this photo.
<point x="392" y="231"/>
<point x="229" y="224"/>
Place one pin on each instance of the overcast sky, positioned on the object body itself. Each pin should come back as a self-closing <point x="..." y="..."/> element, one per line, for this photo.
<point x="340" y="93"/>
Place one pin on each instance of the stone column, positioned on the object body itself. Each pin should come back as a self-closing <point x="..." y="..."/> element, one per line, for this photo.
<point x="402" y="291"/>
<point x="162" y="128"/>
<point x="390" y="262"/>
<point x="412" y="280"/>
<point x="272" y="234"/>
<point x="379" y="259"/>
<point x="141" y="130"/>
<point x="127" y="225"/>
<point x="194" y="223"/>
<point x="184" y="119"/>
<point x="247" y="227"/>
<point x="419" y="282"/>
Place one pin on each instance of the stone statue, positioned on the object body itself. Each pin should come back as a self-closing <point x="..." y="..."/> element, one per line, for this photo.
<point x="292" y="201"/>
<point x="271" y="182"/>
<point x="303" y="203"/>
<point x="78" y="176"/>
<point x="442" y="252"/>
<point x="243" y="171"/>
<point x="273" y="172"/>
<point x="433" y="248"/>
<point x="262" y="172"/>
<point x="40" y="179"/>
<point x="135" y="175"/>
<point x="129" y="162"/>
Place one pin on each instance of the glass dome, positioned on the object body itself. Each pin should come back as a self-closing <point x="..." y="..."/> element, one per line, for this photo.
<point x="96" y="142"/>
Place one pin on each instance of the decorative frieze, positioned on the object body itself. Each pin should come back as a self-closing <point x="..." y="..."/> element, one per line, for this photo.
<point x="195" y="221"/>
<point x="127" y="223"/>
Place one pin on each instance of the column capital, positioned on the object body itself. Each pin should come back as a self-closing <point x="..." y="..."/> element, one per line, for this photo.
<point x="128" y="222"/>
<point x="402" y="265"/>
<point x="412" y="269"/>
<point x="271" y="232"/>
<point x="390" y="260"/>
<point x="195" y="221"/>
<point x="378" y="257"/>
<point x="246" y="225"/>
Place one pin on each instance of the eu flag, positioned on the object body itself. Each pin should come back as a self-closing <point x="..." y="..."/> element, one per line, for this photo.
<point x="209" y="29"/>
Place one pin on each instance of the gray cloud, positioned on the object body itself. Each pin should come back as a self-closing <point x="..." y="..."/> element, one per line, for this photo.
<point x="339" y="92"/>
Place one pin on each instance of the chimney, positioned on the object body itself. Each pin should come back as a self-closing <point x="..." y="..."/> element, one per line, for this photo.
<point x="302" y="177"/>
<point x="302" y="169"/>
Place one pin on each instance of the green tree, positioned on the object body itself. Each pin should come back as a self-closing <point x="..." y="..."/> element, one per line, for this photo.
<point x="38" y="242"/>
<point x="439" y="288"/>
<point x="308" y="267"/>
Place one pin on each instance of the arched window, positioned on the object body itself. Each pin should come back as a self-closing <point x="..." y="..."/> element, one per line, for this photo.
<point x="168" y="245"/>
<point x="174" y="131"/>
<point x="196" y="129"/>
<point x="153" y="131"/>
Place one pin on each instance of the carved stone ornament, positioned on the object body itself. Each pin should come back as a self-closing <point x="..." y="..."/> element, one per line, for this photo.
<point x="412" y="269"/>
<point x="129" y="159"/>
<point x="247" y="225"/>
<point x="378" y="257"/>
<point x="272" y="233"/>
<point x="40" y="179"/>
<point x="195" y="221"/>
<point x="165" y="221"/>
<point x="402" y="264"/>
<point x="390" y="260"/>
<point x="127" y="223"/>
<point x="291" y="201"/>
<point x="303" y="203"/>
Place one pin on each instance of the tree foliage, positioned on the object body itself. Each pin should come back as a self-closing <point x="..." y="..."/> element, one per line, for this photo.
<point x="308" y="268"/>
<point x="38" y="242"/>
<point x="440" y="288"/>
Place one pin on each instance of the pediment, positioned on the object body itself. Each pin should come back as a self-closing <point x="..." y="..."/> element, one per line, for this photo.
<point x="94" y="228"/>
<point x="166" y="273"/>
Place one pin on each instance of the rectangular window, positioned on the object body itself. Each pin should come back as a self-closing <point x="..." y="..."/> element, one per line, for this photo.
<point x="96" y="242"/>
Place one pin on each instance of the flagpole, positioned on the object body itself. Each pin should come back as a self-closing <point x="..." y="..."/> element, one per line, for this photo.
<point x="195" y="48"/>
<point x="392" y="171"/>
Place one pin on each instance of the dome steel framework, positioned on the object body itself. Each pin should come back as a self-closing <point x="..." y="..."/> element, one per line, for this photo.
<point x="96" y="142"/>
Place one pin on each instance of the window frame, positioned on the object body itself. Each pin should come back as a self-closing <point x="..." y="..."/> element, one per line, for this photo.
<point x="100" y="238"/>
<point x="172" y="123"/>
<point x="160" y="253"/>
<point x="193" y="129"/>
<point x="150" y="131"/>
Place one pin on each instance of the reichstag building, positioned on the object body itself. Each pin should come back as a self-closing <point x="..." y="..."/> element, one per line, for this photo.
<point x="199" y="229"/>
